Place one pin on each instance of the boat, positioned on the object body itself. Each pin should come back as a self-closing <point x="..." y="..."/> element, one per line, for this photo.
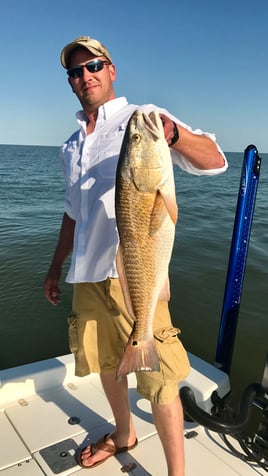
<point x="47" y="413"/>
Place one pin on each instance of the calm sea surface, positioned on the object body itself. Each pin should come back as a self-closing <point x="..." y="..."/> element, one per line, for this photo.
<point x="31" y="208"/>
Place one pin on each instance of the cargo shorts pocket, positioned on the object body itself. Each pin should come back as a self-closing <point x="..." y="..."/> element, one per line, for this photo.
<point x="167" y="335"/>
<point x="72" y="333"/>
<point x="75" y="337"/>
<point x="172" y="355"/>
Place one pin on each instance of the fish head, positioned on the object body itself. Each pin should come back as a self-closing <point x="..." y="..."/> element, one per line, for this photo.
<point x="145" y="153"/>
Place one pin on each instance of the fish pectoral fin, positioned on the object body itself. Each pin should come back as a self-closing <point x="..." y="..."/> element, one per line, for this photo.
<point x="123" y="281"/>
<point x="158" y="214"/>
<point x="171" y="206"/>
<point x="164" y="294"/>
<point x="163" y="204"/>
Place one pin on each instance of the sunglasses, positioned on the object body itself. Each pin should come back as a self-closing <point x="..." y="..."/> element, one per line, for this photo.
<point x="92" y="66"/>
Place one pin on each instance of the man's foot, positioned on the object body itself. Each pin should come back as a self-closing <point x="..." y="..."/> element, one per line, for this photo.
<point x="96" y="453"/>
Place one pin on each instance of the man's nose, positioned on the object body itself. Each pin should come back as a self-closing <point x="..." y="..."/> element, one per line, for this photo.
<point x="86" y="73"/>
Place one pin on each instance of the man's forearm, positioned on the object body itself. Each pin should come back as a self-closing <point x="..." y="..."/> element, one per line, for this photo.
<point x="200" y="150"/>
<point x="65" y="242"/>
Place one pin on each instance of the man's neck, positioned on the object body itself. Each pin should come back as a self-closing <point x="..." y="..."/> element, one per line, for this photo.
<point x="92" y="119"/>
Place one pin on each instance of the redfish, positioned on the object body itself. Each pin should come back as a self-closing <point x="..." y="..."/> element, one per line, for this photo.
<point x="146" y="215"/>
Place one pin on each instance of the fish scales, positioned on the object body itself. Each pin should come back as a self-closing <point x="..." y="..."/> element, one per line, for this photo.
<point x="146" y="214"/>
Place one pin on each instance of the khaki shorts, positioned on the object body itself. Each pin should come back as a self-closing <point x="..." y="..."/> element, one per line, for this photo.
<point x="99" y="328"/>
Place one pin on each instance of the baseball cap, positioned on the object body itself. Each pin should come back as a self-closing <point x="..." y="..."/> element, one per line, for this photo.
<point x="92" y="45"/>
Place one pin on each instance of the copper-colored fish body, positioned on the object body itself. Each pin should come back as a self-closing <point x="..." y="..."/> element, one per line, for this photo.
<point x="146" y="214"/>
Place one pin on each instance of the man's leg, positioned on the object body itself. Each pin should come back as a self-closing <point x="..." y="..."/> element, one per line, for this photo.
<point x="124" y="434"/>
<point x="168" y="419"/>
<point x="117" y="395"/>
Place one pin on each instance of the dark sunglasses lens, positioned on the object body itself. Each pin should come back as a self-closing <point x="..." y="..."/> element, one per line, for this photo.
<point x="76" y="72"/>
<point x="94" y="66"/>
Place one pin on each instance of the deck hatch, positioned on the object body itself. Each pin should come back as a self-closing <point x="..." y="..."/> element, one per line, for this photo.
<point x="60" y="456"/>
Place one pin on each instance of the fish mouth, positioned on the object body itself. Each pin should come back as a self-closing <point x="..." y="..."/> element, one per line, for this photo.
<point x="152" y="124"/>
<point x="150" y="121"/>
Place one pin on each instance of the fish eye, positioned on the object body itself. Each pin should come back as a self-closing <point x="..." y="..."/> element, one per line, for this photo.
<point x="136" y="137"/>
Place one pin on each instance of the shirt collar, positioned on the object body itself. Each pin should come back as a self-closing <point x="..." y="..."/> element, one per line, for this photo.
<point x="105" y="111"/>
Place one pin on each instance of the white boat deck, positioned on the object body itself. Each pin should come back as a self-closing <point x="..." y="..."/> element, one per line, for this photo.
<point x="40" y="405"/>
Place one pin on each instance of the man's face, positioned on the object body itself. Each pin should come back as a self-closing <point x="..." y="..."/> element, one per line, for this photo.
<point x="92" y="89"/>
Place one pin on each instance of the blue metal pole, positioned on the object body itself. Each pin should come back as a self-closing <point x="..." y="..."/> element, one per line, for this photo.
<point x="238" y="257"/>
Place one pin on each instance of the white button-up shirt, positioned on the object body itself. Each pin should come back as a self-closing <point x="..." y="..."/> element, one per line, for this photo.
<point x="89" y="163"/>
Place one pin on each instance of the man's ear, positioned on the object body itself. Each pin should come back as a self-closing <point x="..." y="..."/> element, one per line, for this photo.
<point x="112" y="72"/>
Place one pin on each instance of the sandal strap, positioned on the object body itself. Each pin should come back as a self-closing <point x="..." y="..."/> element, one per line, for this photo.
<point x="103" y="445"/>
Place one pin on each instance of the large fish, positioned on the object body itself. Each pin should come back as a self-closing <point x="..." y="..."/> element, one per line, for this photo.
<point x="146" y="214"/>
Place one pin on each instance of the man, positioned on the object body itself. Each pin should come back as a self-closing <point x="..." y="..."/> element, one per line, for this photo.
<point x="100" y="325"/>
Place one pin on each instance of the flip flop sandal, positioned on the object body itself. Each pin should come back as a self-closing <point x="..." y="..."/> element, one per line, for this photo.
<point x="101" y="444"/>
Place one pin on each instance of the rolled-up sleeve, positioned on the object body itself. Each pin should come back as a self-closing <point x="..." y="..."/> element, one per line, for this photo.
<point x="187" y="166"/>
<point x="178" y="158"/>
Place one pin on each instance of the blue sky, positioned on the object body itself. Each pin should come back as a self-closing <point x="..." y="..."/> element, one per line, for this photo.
<point x="204" y="60"/>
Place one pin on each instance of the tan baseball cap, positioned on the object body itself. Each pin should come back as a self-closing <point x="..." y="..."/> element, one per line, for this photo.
<point x="92" y="45"/>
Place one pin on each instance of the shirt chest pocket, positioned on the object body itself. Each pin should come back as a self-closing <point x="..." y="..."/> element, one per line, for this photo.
<point x="72" y="165"/>
<point x="109" y="150"/>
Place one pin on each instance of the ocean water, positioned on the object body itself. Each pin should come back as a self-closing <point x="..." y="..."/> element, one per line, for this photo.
<point x="31" y="208"/>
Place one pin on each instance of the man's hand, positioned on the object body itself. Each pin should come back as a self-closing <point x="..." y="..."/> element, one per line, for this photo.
<point x="63" y="249"/>
<point x="51" y="289"/>
<point x="170" y="130"/>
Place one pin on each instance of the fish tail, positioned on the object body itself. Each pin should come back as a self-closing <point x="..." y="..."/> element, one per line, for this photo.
<point x="138" y="356"/>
